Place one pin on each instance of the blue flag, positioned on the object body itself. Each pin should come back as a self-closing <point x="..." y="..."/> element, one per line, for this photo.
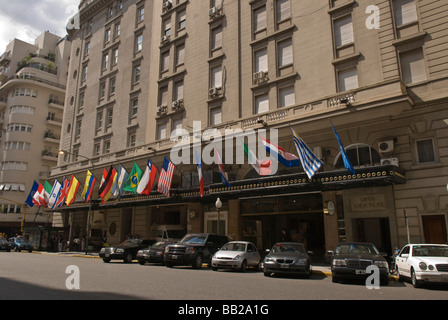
<point x="347" y="163"/>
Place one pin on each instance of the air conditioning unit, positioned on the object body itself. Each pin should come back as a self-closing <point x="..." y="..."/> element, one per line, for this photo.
<point x="386" y="146"/>
<point x="166" y="5"/>
<point x="214" y="12"/>
<point x="213" y="92"/>
<point x="260" y="76"/>
<point x="161" y="109"/>
<point x="390" y="162"/>
<point x="165" y="39"/>
<point x="178" y="104"/>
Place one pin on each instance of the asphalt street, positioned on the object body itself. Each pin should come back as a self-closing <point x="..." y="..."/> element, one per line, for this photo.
<point x="30" y="276"/>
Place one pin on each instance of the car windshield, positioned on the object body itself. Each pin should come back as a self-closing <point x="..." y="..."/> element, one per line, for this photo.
<point x="356" y="248"/>
<point x="21" y="241"/>
<point x="131" y="242"/>
<point x="194" y="239"/>
<point x="159" y="244"/>
<point x="288" y="247"/>
<point x="430" y="251"/>
<point x="234" y="247"/>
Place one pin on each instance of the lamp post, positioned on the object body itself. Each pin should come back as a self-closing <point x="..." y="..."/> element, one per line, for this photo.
<point x="218" y="205"/>
<point x="89" y="213"/>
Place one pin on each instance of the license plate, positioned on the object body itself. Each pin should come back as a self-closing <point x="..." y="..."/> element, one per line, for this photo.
<point x="107" y="255"/>
<point x="175" y="257"/>
<point x="284" y="266"/>
<point x="360" y="271"/>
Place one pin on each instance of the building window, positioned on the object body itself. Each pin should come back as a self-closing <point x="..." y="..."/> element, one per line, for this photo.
<point x="134" y="107"/>
<point x="405" y="12"/>
<point x="96" y="149"/>
<point x="180" y="54"/>
<point x="425" y="151"/>
<point x="138" y="43"/>
<point x="117" y="30"/>
<point x="216" y="77"/>
<point x="137" y="72"/>
<point x="161" y="131"/>
<point x="343" y="36"/>
<point x="182" y="20"/>
<point x="112" y="86"/>
<point x="262" y="103"/>
<point x="81" y="101"/>
<point x="132" y="138"/>
<point x="107" y="36"/>
<point x="106" y="147"/>
<point x="287" y="96"/>
<point x="359" y="155"/>
<point x="140" y="14"/>
<point x="215" y="116"/>
<point x="179" y="90"/>
<point x="165" y="61"/>
<point x="99" y="120"/>
<point x="347" y="79"/>
<point x="216" y="38"/>
<point x="105" y="61"/>
<point x="413" y="67"/>
<point x="259" y="19"/>
<point x="102" y="90"/>
<point x="283" y="10"/>
<point x="115" y="57"/>
<point x="261" y="60"/>
<point x="84" y="73"/>
<point x="285" y="53"/>
<point x="167" y="28"/>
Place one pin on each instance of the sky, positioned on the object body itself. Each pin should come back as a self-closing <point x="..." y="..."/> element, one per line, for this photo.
<point x="27" y="19"/>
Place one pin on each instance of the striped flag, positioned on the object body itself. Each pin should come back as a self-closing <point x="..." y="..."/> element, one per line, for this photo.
<point x="107" y="182"/>
<point x="199" y="167"/>
<point x="29" y="201"/>
<point x="222" y="172"/>
<point x="122" y="176"/>
<point x="310" y="162"/>
<point x="347" y="163"/>
<point x="147" y="181"/>
<point x="263" y="167"/>
<point x="72" y="191"/>
<point x="285" y="158"/>
<point x="54" y="195"/>
<point x="166" y="177"/>
<point x="88" y="186"/>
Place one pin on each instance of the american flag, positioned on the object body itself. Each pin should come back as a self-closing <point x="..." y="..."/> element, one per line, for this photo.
<point x="166" y="177"/>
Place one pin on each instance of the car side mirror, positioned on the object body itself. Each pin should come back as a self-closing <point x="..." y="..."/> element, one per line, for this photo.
<point x="405" y="255"/>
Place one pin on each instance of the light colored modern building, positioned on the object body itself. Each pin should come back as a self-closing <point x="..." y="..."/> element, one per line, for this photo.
<point x="378" y="71"/>
<point x="32" y="95"/>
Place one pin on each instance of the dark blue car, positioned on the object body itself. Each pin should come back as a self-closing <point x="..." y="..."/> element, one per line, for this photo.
<point x="19" y="244"/>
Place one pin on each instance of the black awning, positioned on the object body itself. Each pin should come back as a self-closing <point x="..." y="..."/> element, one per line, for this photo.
<point x="272" y="185"/>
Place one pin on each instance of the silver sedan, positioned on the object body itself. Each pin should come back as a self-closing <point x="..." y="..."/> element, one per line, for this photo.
<point x="236" y="255"/>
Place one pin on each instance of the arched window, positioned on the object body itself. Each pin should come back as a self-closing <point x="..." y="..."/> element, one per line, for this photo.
<point x="359" y="155"/>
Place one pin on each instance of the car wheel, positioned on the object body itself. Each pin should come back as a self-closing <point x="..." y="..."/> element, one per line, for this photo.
<point x="414" y="280"/>
<point x="334" y="278"/>
<point x="128" y="258"/>
<point x="243" y="266"/>
<point x="267" y="274"/>
<point x="106" y="260"/>
<point x="197" y="262"/>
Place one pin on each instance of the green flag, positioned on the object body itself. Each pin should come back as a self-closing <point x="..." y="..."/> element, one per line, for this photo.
<point x="263" y="167"/>
<point x="134" y="178"/>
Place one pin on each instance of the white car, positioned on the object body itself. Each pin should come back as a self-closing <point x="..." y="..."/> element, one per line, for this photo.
<point x="423" y="263"/>
<point x="236" y="255"/>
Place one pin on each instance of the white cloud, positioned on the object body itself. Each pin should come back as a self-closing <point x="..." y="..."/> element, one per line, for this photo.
<point x="27" y="19"/>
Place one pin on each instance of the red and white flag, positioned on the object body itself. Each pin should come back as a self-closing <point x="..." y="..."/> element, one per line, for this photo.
<point x="147" y="180"/>
<point x="166" y="177"/>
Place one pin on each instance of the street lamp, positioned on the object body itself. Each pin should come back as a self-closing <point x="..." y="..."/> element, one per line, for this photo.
<point x="89" y="214"/>
<point x="218" y="205"/>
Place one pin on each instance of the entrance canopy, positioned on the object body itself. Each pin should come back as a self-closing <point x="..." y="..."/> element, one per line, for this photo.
<point x="270" y="185"/>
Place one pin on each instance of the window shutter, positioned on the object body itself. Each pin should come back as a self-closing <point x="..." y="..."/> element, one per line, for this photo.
<point x="261" y="60"/>
<point x="343" y="31"/>
<point x="285" y="53"/>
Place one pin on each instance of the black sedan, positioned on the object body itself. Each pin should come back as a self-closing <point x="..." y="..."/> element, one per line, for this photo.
<point x="153" y="254"/>
<point x="126" y="251"/>
<point x="351" y="260"/>
<point x="5" y="245"/>
<point x="288" y="258"/>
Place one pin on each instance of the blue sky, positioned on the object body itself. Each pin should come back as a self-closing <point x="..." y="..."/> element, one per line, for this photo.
<point x="27" y="19"/>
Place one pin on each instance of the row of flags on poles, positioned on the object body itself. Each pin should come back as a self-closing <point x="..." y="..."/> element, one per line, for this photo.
<point x="114" y="182"/>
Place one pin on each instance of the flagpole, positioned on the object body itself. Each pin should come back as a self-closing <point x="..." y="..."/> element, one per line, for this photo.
<point x="89" y="213"/>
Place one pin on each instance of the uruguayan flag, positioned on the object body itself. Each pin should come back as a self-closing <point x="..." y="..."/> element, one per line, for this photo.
<point x="310" y="162"/>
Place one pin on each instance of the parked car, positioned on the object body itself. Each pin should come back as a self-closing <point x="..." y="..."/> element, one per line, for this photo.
<point x="288" y="258"/>
<point x="153" y="254"/>
<point x="126" y="251"/>
<point x="236" y="255"/>
<point x="5" y="245"/>
<point x="194" y="249"/>
<point x="19" y="244"/>
<point x="351" y="260"/>
<point x="423" y="263"/>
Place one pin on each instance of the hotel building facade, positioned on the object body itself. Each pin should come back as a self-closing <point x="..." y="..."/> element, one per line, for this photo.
<point x="32" y="95"/>
<point x="378" y="70"/>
